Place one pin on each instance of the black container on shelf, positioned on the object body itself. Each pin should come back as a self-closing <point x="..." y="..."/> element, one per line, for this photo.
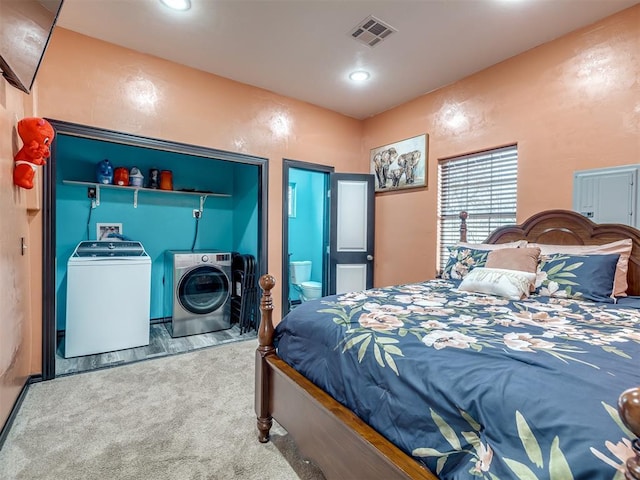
<point x="154" y="178"/>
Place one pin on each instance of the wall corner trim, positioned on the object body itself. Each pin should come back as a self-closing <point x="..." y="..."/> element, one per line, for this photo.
<point x="4" y="433"/>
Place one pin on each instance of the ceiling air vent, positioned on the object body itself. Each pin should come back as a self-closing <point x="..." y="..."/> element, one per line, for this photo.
<point x="372" y="31"/>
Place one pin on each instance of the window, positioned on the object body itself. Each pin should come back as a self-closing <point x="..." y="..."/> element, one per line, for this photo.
<point x="485" y="186"/>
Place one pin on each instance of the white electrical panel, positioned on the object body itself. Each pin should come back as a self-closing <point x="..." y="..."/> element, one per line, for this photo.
<point x="607" y="195"/>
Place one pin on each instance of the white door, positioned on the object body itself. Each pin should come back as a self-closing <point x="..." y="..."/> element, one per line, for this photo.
<point x="352" y="232"/>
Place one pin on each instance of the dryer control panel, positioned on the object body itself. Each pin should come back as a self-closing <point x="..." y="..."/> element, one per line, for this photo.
<point x="186" y="258"/>
<point x="215" y="258"/>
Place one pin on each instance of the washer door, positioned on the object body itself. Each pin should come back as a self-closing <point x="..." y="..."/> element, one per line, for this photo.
<point x="203" y="290"/>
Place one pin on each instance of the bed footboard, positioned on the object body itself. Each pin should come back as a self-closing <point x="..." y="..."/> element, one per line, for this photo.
<point x="265" y="350"/>
<point x="326" y="432"/>
<point x="629" y="408"/>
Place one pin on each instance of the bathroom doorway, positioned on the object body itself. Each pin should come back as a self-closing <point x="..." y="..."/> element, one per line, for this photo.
<point x="305" y="231"/>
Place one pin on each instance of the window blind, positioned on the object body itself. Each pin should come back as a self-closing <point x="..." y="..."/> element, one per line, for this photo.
<point x="482" y="184"/>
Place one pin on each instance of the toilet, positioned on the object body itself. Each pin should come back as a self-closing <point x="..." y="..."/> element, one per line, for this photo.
<point x="300" y="278"/>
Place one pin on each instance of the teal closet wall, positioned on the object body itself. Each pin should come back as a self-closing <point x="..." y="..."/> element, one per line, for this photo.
<point x="306" y="228"/>
<point x="245" y="207"/>
<point x="162" y="221"/>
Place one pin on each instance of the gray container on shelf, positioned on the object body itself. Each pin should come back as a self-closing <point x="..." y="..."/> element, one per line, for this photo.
<point x="136" y="179"/>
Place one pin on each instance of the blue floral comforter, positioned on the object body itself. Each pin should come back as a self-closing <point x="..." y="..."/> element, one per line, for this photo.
<point x="475" y="386"/>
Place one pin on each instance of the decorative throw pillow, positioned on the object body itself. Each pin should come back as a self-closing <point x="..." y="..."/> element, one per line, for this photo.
<point x="522" y="259"/>
<point x="588" y="277"/>
<point x="511" y="284"/>
<point x="622" y="247"/>
<point x="462" y="260"/>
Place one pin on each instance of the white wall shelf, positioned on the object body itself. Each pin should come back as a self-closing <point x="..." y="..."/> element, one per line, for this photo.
<point x="203" y="195"/>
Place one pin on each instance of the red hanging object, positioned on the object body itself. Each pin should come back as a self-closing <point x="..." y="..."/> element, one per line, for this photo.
<point x="37" y="135"/>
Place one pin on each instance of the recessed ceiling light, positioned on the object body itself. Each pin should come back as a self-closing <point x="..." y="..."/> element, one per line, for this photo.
<point x="177" y="4"/>
<point x="359" y="76"/>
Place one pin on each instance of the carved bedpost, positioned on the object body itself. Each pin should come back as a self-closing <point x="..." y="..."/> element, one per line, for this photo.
<point x="265" y="349"/>
<point x="629" y="409"/>
<point x="463" y="226"/>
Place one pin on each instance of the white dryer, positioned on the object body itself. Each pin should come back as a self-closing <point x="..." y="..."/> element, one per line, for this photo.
<point x="108" y="297"/>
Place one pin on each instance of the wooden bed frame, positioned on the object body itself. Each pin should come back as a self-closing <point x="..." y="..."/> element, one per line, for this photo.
<point x="342" y="445"/>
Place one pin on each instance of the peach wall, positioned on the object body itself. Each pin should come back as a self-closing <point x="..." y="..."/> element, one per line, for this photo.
<point x="571" y="104"/>
<point x="15" y="316"/>
<point x="87" y="81"/>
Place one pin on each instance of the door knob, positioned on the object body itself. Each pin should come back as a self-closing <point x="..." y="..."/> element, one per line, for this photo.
<point x="369" y="257"/>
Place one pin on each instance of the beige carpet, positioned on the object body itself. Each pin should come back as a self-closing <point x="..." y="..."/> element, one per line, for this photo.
<point x="184" y="417"/>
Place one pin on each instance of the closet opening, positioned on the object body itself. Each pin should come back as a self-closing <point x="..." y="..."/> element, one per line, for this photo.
<point x="184" y="207"/>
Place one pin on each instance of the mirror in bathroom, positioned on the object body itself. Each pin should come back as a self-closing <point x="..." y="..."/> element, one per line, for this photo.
<point x="291" y="197"/>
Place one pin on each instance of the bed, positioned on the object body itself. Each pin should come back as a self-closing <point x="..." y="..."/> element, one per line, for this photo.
<point x="506" y="388"/>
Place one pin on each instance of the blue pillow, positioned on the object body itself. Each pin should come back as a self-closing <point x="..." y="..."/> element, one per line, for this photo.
<point x="587" y="277"/>
<point x="462" y="260"/>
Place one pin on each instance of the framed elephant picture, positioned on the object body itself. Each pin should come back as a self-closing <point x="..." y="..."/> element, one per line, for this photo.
<point x="400" y="165"/>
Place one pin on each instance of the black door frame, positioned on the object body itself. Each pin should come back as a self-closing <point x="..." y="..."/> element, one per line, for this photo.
<point x="49" y="213"/>
<point x="300" y="165"/>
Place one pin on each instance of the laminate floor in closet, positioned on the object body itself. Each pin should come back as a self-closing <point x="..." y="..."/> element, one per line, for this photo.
<point x="161" y="344"/>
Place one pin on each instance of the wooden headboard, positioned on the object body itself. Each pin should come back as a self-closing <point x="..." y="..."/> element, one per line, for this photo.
<point x="564" y="227"/>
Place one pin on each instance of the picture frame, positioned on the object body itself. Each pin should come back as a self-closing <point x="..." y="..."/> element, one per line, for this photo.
<point x="103" y="230"/>
<point x="401" y="165"/>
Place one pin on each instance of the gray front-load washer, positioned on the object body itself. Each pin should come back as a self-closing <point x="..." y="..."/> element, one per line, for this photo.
<point x="197" y="291"/>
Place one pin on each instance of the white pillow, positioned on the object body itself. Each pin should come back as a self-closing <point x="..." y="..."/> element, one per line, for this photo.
<point x="512" y="284"/>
